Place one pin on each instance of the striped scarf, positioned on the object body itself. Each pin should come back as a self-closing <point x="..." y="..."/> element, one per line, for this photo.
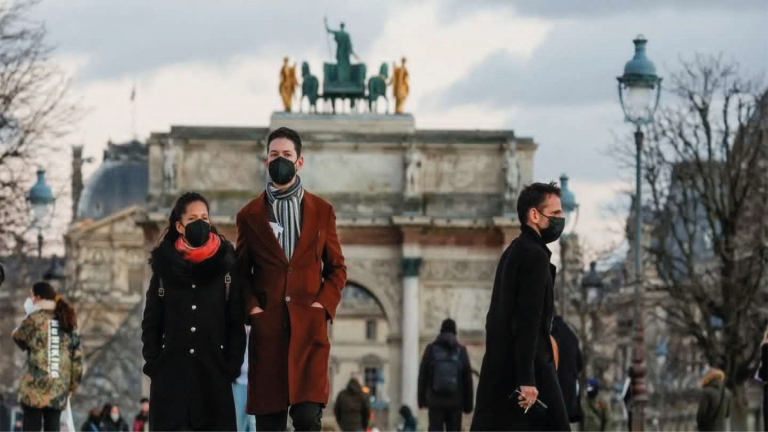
<point x="285" y="210"/>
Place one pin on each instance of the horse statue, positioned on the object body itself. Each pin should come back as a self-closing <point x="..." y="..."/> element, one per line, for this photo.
<point x="377" y="87"/>
<point x="309" y="87"/>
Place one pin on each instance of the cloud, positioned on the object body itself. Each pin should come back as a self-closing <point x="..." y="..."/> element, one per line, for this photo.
<point x="578" y="61"/>
<point x="591" y="9"/>
<point x="440" y="54"/>
<point x="130" y="38"/>
<point x="571" y="140"/>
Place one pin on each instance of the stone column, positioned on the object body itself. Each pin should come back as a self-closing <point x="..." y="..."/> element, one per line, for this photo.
<point x="410" y="361"/>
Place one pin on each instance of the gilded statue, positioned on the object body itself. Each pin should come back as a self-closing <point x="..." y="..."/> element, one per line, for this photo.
<point x="288" y="84"/>
<point x="400" y="85"/>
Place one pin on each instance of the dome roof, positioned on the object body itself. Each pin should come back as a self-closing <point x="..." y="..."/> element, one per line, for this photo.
<point x="121" y="181"/>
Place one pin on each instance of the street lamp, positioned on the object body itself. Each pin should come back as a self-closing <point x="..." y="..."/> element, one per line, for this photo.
<point x="639" y="93"/>
<point x="42" y="203"/>
<point x="568" y="201"/>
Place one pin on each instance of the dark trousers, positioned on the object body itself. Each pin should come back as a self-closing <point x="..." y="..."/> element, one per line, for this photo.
<point x="36" y="418"/>
<point x="444" y="419"/>
<point x="307" y="416"/>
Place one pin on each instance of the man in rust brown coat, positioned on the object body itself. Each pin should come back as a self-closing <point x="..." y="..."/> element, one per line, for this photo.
<point x="293" y="271"/>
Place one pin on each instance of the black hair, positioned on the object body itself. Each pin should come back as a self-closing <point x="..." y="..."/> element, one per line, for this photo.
<point x="171" y="234"/>
<point x="287" y="133"/>
<point x="106" y="411"/>
<point x="144" y="400"/>
<point x="65" y="314"/>
<point x="534" y="196"/>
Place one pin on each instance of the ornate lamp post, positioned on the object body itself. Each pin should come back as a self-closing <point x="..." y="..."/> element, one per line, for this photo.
<point x="568" y="201"/>
<point x="639" y="93"/>
<point x="42" y="203"/>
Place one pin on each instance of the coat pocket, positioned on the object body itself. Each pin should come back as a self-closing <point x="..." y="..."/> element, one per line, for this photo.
<point x="319" y="326"/>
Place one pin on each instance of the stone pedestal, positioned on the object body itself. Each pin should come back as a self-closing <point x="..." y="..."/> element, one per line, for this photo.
<point x="410" y="362"/>
<point x="344" y="123"/>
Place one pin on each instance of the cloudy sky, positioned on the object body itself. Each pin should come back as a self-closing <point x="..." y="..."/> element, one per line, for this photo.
<point x="543" y="68"/>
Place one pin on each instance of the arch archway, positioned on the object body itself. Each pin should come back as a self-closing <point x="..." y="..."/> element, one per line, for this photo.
<point x="360" y="345"/>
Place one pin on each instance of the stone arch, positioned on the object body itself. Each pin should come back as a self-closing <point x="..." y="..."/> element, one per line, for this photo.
<point x="379" y="294"/>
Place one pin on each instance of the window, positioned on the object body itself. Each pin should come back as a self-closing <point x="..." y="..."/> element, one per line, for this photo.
<point x="370" y="330"/>
<point x="371" y="379"/>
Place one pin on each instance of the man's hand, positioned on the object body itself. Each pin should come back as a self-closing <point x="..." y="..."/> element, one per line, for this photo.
<point x="528" y="396"/>
<point x="256" y="310"/>
<point x="317" y="305"/>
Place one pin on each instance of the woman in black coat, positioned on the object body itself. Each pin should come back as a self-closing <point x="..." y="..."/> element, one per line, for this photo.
<point x="193" y="329"/>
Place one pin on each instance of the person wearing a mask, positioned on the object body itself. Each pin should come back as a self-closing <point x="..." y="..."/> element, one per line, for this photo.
<point x="112" y="421"/>
<point x="93" y="423"/>
<point x="445" y="380"/>
<point x="54" y="366"/>
<point x="292" y="271"/>
<point x="518" y="371"/>
<point x="193" y="328"/>
<point x="352" y="409"/>
<point x="596" y="411"/>
<point x="141" y="422"/>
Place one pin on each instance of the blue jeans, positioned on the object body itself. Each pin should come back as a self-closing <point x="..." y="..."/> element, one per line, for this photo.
<point x="245" y="422"/>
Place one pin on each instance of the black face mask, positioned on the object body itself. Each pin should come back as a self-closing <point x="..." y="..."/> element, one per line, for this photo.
<point x="282" y="171"/>
<point x="197" y="233"/>
<point x="554" y="230"/>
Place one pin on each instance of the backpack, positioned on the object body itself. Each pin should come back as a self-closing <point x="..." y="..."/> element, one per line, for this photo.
<point x="446" y="370"/>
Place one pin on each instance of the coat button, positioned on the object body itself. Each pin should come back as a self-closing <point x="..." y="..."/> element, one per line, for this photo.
<point x="290" y="269"/>
<point x="163" y="346"/>
<point x="194" y="307"/>
<point x="222" y="347"/>
<point x="192" y="351"/>
<point x="194" y="286"/>
<point x="288" y="299"/>
<point x="193" y="329"/>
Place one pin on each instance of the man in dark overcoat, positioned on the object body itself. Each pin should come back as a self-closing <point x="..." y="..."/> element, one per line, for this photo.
<point x="519" y="354"/>
<point x="292" y="271"/>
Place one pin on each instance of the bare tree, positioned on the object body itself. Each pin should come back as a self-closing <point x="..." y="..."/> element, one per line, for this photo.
<point x="706" y="173"/>
<point x="35" y="111"/>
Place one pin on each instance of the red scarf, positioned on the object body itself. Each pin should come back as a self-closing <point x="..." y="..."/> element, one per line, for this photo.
<point x="198" y="255"/>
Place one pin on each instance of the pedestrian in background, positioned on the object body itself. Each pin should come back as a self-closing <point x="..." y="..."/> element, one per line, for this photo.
<point x="112" y="421"/>
<point x="445" y="380"/>
<point x="54" y="365"/>
<point x="245" y="421"/>
<point x="141" y="422"/>
<point x="597" y="412"/>
<point x="93" y="422"/>
<point x="569" y="368"/>
<point x="409" y="422"/>
<point x="352" y="408"/>
<point x="714" y="403"/>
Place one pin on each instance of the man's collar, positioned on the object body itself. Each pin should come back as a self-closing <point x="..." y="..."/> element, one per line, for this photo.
<point x="526" y="230"/>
